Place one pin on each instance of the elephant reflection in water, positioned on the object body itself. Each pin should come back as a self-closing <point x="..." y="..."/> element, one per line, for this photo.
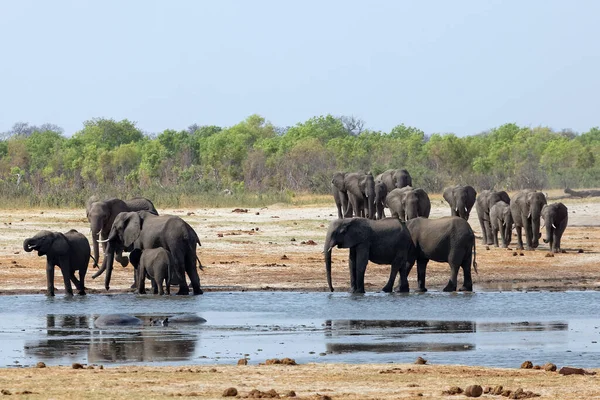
<point x="396" y="329"/>
<point x="161" y="344"/>
<point x="67" y="338"/>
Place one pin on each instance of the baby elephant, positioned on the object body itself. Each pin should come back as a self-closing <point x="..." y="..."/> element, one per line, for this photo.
<point x="157" y="264"/>
<point x="501" y="220"/>
<point x="69" y="251"/>
<point x="556" y="217"/>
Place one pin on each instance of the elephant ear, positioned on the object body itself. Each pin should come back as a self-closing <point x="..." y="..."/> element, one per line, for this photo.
<point x="60" y="245"/>
<point x="352" y="233"/>
<point x="133" y="227"/>
<point x="338" y="181"/>
<point x="135" y="257"/>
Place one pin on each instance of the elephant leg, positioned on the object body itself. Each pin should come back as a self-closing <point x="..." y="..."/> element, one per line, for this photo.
<point x="192" y="272"/>
<point x="421" y="271"/>
<point x="495" y="237"/>
<point x="362" y="259"/>
<point x="488" y="230"/>
<point x="141" y="279"/>
<point x="352" y="268"/>
<point x="135" y="280"/>
<point x="50" y="278"/>
<point x="528" y="235"/>
<point x="467" y="279"/>
<point x="67" y="279"/>
<point x="483" y="232"/>
<point x="519" y="230"/>
<point x="154" y="286"/>
<point x="452" y="283"/>
<point x="395" y="268"/>
<point x="78" y="284"/>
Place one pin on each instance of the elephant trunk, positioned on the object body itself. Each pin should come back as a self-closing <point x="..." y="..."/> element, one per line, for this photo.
<point x="27" y="246"/>
<point x="535" y="228"/>
<point x="107" y="264"/>
<point x="328" y="246"/>
<point x="549" y="232"/>
<point x="507" y="227"/>
<point x="461" y="209"/>
<point x="95" y="236"/>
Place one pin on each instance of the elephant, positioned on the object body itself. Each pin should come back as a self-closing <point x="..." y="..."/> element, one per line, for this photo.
<point x="395" y="178"/>
<point x="526" y="210"/>
<point x="461" y="199"/>
<point x="395" y="201"/>
<point x="380" y="197"/>
<point x="446" y="239"/>
<point x="69" y="251"/>
<point x="384" y="241"/>
<point x="360" y="191"/>
<point x="144" y="230"/>
<point x="101" y="215"/>
<point x="485" y="200"/>
<point x="501" y="220"/>
<point x="158" y="265"/>
<point x="408" y="203"/>
<point x="338" y="189"/>
<point x="556" y="217"/>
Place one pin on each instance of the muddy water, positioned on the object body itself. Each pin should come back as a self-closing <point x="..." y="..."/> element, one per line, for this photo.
<point x="486" y="328"/>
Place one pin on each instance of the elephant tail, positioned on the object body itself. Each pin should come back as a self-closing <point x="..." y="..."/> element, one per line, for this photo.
<point x="200" y="266"/>
<point x="95" y="261"/>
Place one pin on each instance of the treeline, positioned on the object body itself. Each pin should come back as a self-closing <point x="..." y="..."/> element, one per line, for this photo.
<point x="40" y="166"/>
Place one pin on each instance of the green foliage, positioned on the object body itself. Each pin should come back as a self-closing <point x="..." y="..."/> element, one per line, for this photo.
<point x="259" y="162"/>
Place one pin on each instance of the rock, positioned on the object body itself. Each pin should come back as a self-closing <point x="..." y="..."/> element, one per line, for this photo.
<point x="108" y="320"/>
<point x="549" y="255"/>
<point x="242" y="361"/>
<point x="230" y="392"/>
<point x="487" y="389"/>
<point x="420" y="361"/>
<point x="5" y="392"/>
<point x="497" y="391"/>
<point x="506" y="393"/>
<point x="521" y="253"/>
<point x="473" y="391"/>
<point x="239" y="210"/>
<point x="288" y="361"/>
<point x="257" y="394"/>
<point x="40" y="365"/>
<point x="90" y="367"/>
<point x="487" y="247"/>
<point x="219" y="235"/>
<point x="257" y="213"/>
<point x="77" y="366"/>
<point x="292" y="239"/>
<point x="284" y="257"/>
<point x="537" y="367"/>
<point x="309" y="242"/>
<point x="515" y="253"/>
<point x="550" y="367"/>
<point x="527" y="365"/>
<point x="580" y="251"/>
<point x="291" y="393"/>
<point x="452" y="391"/>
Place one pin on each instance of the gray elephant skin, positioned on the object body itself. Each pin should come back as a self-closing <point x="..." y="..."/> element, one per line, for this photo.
<point x="526" y="209"/>
<point x="359" y="190"/>
<point x="408" y="203"/>
<point x="501" y="221"/>
<point x="69" y="251"/>
<point x="386" y="182"/>
<point x="118" y="320"/>
<point x="384" y="241"/>
<point x="447" y="239"/>
<point x="338" y="190"/>
<point x="556" y="218"/>
<point x="158" y="265"/>
<point x="144" y="230"/>
<point x="101" y="215"/>
<point x="461" y="199"/>
<point x="484" y="202"/>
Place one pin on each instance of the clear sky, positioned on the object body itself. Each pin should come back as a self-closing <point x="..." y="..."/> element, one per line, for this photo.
<point x="442" y="66"/>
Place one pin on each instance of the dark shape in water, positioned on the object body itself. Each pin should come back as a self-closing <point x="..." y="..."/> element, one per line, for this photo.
<point x="110" y="320"/>
<point x="398" y="347"/>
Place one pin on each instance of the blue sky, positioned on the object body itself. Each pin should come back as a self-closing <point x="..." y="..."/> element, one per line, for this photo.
<point x="442" y="66"/>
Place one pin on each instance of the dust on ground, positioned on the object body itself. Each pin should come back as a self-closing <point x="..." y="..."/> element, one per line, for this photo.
<point x="281" y="248"/>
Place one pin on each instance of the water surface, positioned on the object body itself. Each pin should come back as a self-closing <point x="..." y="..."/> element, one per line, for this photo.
<point x="485" y="328"/>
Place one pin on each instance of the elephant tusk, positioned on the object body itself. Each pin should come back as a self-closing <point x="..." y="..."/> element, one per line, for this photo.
<point x="329" y="249"/>
<point x="553" y="226"/>
<point x="466" y="209"/>
<point x="102" y="241"/>
<point x="456" y="209"/>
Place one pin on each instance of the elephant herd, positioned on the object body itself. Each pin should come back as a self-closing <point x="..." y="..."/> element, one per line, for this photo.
<point x="162" y="248"/>
<point x="409" y="236"/>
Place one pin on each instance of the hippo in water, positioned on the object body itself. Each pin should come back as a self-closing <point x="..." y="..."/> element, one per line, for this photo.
<point x="110" y="320"/>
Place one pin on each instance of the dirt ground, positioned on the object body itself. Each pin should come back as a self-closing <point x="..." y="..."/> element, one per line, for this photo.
<point x="280" y="248"/>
